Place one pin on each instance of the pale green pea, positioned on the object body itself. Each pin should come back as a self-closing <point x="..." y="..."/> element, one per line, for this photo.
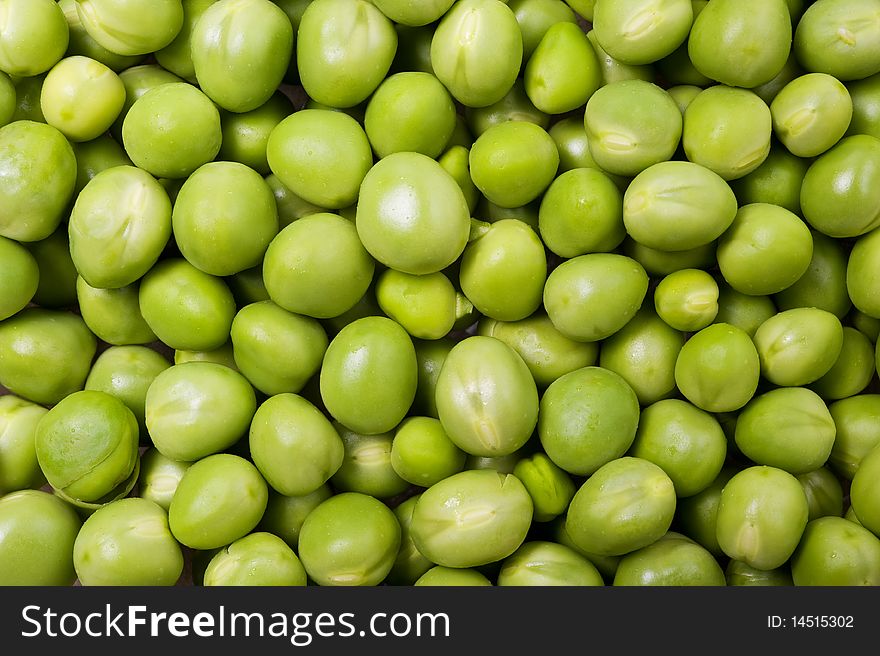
<point x="839" y="38"/>
<point x="134" y="27"/>
<point x="81" y="43"/>
<point x="811" y="113"/>
<point x="35" y="36"/>
<point x="424" y="305"/>
<point x="687" y="299"/>
<point x="823" y="284"/>
<point x="257" y="559"/>
<point x="640" y="32"/>
<point x="367" y="465"/>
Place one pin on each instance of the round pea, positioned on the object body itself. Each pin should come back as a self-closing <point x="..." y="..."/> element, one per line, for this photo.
<point x="550" y="487"/>
<point x="424" y="305"/>
<point x="642" y="31"/>
<point x="452" y="576"/>
<point x="811" y="113"/>
<point x="256" y="559"/>
<point x="367" y="465"/>
<point x="836" y="552"/>
<point x="687" y="299"/>
<point x="35" y="37"/>
<point x="776" y="181"/>
<point x="858" y="431"/>
<point x="113" y="315"/>
<point x="863" y="274"/>
<point x="543" y="563"/>
<point x="823" y="284"/>
<point x="824" y="492"/>
<point x="423" y="454"/>
<point x="19" y="277"/>
<point x="134" y="27"/>
<point x="853" y="370"/>
<point x="19" y="467"/>
<point x="159" y="477"/>
<point x="744" y="311"/>
<point x="863" y="491"/>
<point x="839" y="38"/>
<point x="137" y="81"/>
<point x="285" y="515"/>
<point x="673" y="560"/>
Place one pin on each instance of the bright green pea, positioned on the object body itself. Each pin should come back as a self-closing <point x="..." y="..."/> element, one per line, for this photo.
<point x="550" y="487"/>
<point x="452" y="576"/>
<point x="113" y="315"/>
<point x="220" y="499"/>
<point x="661" y="263"/>
<point x="777" y="181"/>
<point x="614" y="70"/>
<point x="718" y="368"/>
<point x="824" y="493"/>
<point x="739" y="573"/>
<point x="853" y="370"/>
<point x="133" y="27"/>
<point x="290" y="206"/>
<point x="866" y="111"/>
<point x="411" y="214"/>
<point x="45" y="355"/>
<point x="424" y="305"/>
<point x="257" y="559"/>
<point x="572" y="142"/>
<point x="798" y="346"/>
<point x="177" y="55"/>
<point x="863" y="274"/>
<point x="38" y="168"/>
<point x="486" y="397"/>
<point x="644" y="352"/>
<point x="410" y="564"/>
<point x="632" y="125"/>
<point x="591" y="297"/>
<point x="159" y="477"/>
<point x="696" y="515"/>
<point x="863" y="492"/>
<point x="542" y="563"/>
<point x="762" y="514"/>
<point x="423" y="454"/>
<point x="35" y="36"/>
<point x="839" y="38"/>
<point x="741" y="43"/>
<point x="823" y="285"/>
<point x="836" y="552"/>
<point x="171" y="130"/>
<point x="840" y="194"/>
<point x="81" y="43"/>
<point x="515" y="105"/>
<point x="367" y="465"/>
<point x="246" y="134"/>
<point x="413" y="14"/>
<point x="127" y="543"/>
<point x="673" y="560"/>
<point x="19" y="467"/>
<point x="349" y="539"/>
<point x="642" y="31"/>
<point x="455" y="161"/>
<point x="472" y="518"/>
<point x="687" y="299"/>
<point x="119" y="226"/>
<point x="536" y="17"/>
<point x="811" y="114"/>
<point x="675" y="206"/>
<point x="19" y="277"/>
<point x="186" y="308"/>
<point x="477" y="50"/>
<point x="285" y="515"/>
<point x="856" y="419"/>
<point x="344" y="49"/>
<point x="37" y="534"/>
<point x="137" y="81"/>
<point x="744" y="311"/>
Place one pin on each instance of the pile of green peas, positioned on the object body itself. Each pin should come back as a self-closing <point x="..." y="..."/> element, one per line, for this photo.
<point x="449" y="292"/>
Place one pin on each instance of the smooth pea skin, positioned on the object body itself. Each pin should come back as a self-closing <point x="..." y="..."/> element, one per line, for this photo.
<point x="687" y="299"/>
<point x="367" y="465"/>
<point x="35" y="36"/>
<point x="220" y="499"/>
<point x="349" y="539"/>
<point x="695" y="516"/>
<point x="824" y="492"/>
<point x="19" y="277"/>
<point x="863" y="274"/>
<point x="256" y="559"/>
<point x="823" y="284"/>
<point x="452" y="576"/>
<point x="119" y="226"/>
<point x="412" y="215"/>
<point x="592" y="296"/>
<point x="863" y="491"/>
<point x="857" y="419"/>
<point x="423" y="454"/>
<point x="57" y="344"/>
<point x="426" y="306"/>
<point x="865" y="119"/>
<point x="625" y="505"/>
<point x="776" y="181"/>
<point x="127" y="543"/>
<point x="344" y="49"/>
<point x="133" y="27"/>
<point x="673" y="560"/>
<point x="587" y="418"/>
<point x="177" y="55"/>
<point x="762" y="514"/>
<point x="137" y="81"/>
<point x="113" y="315"/>
<point x="413" y="14"/>
<point x="38" y="168"/>
<point x="246" y="134"/>
<point x="285" y="515"/>
<point x="798" y="346"/>
<point x="836" y="552"/>
<point x="294" y="445"/>
<point x="19" y="467"/>
<point x="675" y="206"/>
<point x="550" y="487"/>
<point x="839" y="38"/>
<point x="811" y="113"/>
<point x="853" y="370"/>
<point x="476" y="51"/>
<point x="718" y="368"/>
<point x="742" y="310"/>
<point x="640" y="32"/>
<point x="487" y="400"/>
<point x="741" y="43"/>
<point x="369" y="375"/>
<point x="159" y="477"/>
<point x="472" y="518"/>
<point x="194" y="409"/>
<point x="37" y="533"/>
<point x="542" y="563"/>
<point x="187" y="309"/>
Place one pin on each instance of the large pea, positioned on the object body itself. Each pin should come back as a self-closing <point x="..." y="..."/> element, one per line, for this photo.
<point x="137" y="81"/>
<point x="857" y="420"/>
<point x="35" y="37"/>
<point x="863" y="493"/>
<point x="718" y="368"/>
<point x="626" y="504"/>
<point x="863" y="274"/>
<point x="38" y="168"/>
<point x="257" y="559"/>
<point x="642" y="31"/>
<point x="592" y="296"/>
<point x="369" y="375"/>
<point x="587" y="418"/>
<point x="840" y="38"/>
<point x="412" y="215"/>
<point x="762" y="514"/>
<point x="673" y="560"/>
<point x="543" y="563"/>
<point x="472" y="518"/>
<point x="344" y="49"/>
<point x="675" y="206"/>
<point x="836" y="552"/>
<point x="349" y="539"/>
<point x="133" y="27"/>
<point x="823" y="284"/>
<point x="477" y="50"/>
<point x="19" y="467"/>
<point x="811" y="113"/>
<point x="19" y="277"/>
<point x="487" y="400"/>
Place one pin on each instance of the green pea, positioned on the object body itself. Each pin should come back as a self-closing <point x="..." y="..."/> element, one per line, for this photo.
<point x="35" y="37"/>
<point x="855" y="418"/>
<point x="223" y="354"/>
<point x="823" y="285"/>
<point x="351" y="539"/>
<point x="662" y="211"/>
<point x="869" y="326"/>
<point x="542" y="563"/>
<point x="853" y="370"/>
<point x="428" y="231"/>
<point x="863" y="274"/>
<point x="246" y="134"/>
<point x="171" y="130"/>
<point x="19" y="467"/>
<point x="477" y="51"/>
<point x="683" y="95"/>
<point x="811" y="113"/>
<point x="696" y="515"/>
<point x="487" y="400"/>
<point x="38" y="168"/>
<point x="641" y="32"/>
<point x="739" y="573"/>
<point x="137" y="81"/>
<point x="741" y="43"/>
<point x="839" y="38"/>
<point x="824" y="493"/>
<point x="424" y="305"/>
<point x="285" y="515"/>
<point x="430" y="356"/>
<point x="632" y="125"/>
<point x="7" y="99"/>
<point x="127" y="543"/>
<point x="777" y="181"/>
<point x="863" y="94"/>
<point x="584" y="8"/>
<point x="863" y="491"/>
<point x="56" y="288"/>
<point x="502" y="464"/>
<point x="119" y="226"/>
<point x="452" y="576"/>
<point x="45" y="355"/>
<point x="572" y="143"/>
<point x="550" y="487"/>
<point x="661" y="263"/>
<point x="37" y="534"/>
<point x="423" y="454"/>
<point x="257" y="559"/>
<point x="367" y="350"/>
<point x="113" y="315"/>
<point x="177" y="55"/>
<point x="836" y="552"/>
<point x="186" y="308"/>
<point x="744" y="311"/>
<point x="673" y="560"/>
<point x="410" y="564"/>
<point x="95" y="156"/>
<point x="135" y="27"/>
<point x="614" y="70"/>
<point x="344" y="49"/>
<point x="492" y="213"/>
<point x="687" y="299"/>
<point x="27" y="99"/>
<point x="80" y="43"/>
<point x="798" y="346"/>
<point x="455" y="160"/>
<point x="791" y="70"/>
<point x="471" y="518"/>
<point x="159" y="477"/>
<point x="291" y="207"/>
<point x="762" y="514"/>
<point x="220" y="499"/>
<point x="413" y="14"/>
<point x="644" y="353"/>
<point x="592" y="296"/>
<point x="515" y="105"/>
<point x="839" y="195"/>
<point x="718" y="368"/>
<point x="367" y="465"/>
<point x="19" y="277"/>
